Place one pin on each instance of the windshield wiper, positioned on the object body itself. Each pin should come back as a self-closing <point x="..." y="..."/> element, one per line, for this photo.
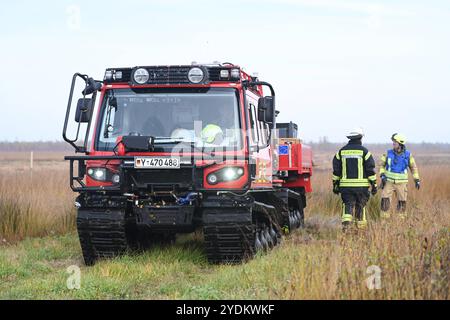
<point x="112" y="104"/>
<point x="168" y="140"/>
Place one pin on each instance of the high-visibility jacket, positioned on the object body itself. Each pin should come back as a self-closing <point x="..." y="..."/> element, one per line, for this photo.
<point x="354" y="166"/>
<point x="395" y="166"/>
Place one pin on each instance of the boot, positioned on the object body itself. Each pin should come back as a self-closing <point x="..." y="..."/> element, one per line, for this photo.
<point x="361" y="224"/>
<point x="385" y="204"/>
<point x="385" y="215"/>
<point x="401" y="209"/>
<point x="346" y="225"/>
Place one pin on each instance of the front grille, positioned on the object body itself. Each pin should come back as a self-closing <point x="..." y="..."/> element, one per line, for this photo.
<point x="168" y="75"/>
<point x="165" y="179"/>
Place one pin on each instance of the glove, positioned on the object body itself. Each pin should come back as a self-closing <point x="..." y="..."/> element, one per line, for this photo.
<point x="417" y="181"/>
<point x="336" y="187"/>
<point x="383" y="181"/>
<point x="374" y="189"/>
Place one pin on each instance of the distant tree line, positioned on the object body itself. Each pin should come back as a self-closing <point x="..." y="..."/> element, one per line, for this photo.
<point x="322" y="145"/>
<point x="43" y="146"/>
<point x="325" y="145"/>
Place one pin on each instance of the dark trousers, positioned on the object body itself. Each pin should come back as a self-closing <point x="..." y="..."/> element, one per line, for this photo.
<point x="354" y="202"/>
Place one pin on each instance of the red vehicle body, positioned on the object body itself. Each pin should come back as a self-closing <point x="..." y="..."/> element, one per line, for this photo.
<point x="177" y="148"/>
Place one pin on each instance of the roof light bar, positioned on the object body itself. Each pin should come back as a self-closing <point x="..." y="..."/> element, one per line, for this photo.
<point x="108" y="75"/>
<point x="235" y="73"/>
<point x="113" y="75"/>
<point x="177" y="74"/>
<point x="141" y="76"/>
<point x="196" y="75"/>
<point x="224" y="73"/>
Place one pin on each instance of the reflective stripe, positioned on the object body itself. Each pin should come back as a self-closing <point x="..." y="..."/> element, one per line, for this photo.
<point x="383" y="164"/>
<point x="338" y="156"/>
<point x="354" y="184"/>
<point x="360" y="168"/>
<point x="346" y="217"/>
<point x="413" y="168"/>
<point x="347" y="184"/>
<point x="372" y="178"/>
<point x="352" y="152"/>
<point x="335" y="178"/>
<point x="344" y="168"/>
<point x="368" y="155"/>
<point x="397" y="181"/>
<point x="355" y="180"/>
<point x="396" y="176"/>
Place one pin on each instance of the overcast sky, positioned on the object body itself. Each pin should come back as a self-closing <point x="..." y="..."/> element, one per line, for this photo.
<point x="382" y="65"/>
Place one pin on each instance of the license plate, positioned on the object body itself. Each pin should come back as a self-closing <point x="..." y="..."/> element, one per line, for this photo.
<point x="155" y="162"/>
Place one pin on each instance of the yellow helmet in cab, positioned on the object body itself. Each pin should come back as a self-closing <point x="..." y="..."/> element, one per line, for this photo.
<point x="210" y="133"/>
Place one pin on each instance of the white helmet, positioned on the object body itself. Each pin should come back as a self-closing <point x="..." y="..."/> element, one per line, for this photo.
<point x="356" y="133"/>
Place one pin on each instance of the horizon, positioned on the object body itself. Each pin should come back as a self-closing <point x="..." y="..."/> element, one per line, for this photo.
<point x="304" y="140"/>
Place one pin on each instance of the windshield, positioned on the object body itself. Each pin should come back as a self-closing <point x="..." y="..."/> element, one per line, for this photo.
<point x="202" y="117"/>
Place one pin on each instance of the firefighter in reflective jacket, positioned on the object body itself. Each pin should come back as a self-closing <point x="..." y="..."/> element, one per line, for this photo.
<point x="353" y="174"/>
<point x="394" y="175"/>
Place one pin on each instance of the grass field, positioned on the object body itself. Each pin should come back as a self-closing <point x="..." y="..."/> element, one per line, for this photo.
<point x="39" y="243"/>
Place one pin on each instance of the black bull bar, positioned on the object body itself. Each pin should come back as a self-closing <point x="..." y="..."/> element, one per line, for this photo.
<point x="126" y="166"/>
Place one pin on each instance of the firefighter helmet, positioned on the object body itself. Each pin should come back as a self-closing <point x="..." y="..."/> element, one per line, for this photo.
<point x="211" y="134"/>
<point x="356" y="133"/>
<point x="398" y="138"/>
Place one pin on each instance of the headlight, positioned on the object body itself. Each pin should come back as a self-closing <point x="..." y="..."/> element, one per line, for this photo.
<point x="141" y="76"/>
<point x="196" y="75"/>
<point x="115" y="179"/>
<point x="212" y="178"/>
<point x="98" y="174"/>
<point x="230" y="174"/>
<point x="225" y="174"/>
<point x="103" y="174"/>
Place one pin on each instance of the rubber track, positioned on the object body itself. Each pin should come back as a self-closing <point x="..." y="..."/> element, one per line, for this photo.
<point x="102" y="235"/>
<point x="229" y="242"/>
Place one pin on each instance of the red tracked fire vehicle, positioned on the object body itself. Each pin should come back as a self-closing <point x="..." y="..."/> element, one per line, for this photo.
<point x="175" y="148"/>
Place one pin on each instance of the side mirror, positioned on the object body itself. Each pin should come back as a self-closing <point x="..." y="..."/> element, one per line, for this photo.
<point x="266" y="109"/>
<point x="83" y="112"/>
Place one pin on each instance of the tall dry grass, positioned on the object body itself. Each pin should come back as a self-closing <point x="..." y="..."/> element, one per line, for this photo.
<point x="412" y="254"/>
<point x="320" y="262"/>
<point x="35" y="203"/>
